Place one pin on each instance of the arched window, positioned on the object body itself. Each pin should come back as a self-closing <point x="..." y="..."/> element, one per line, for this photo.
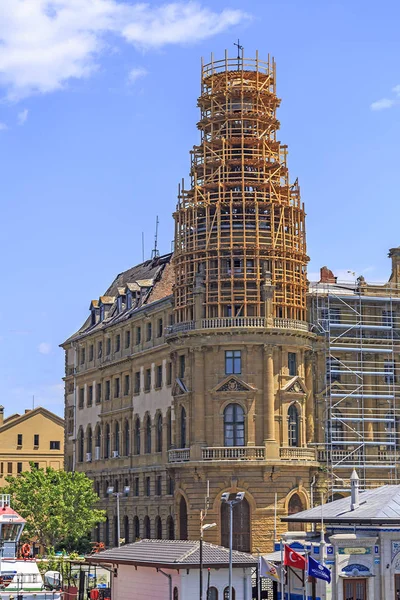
<point x="226" y="593"/>
<point x="137" y="436"/>
<point x="126" y="438"/>
<point x="115" y="531"/>
<point x="97" y="533"/>
<point x="176" y="594"/>
<point x="81" y="445"/>
<point x="183" y="427"/>
<point x="89" y="441"/>
<point x="97" y="488"/>
<point x="136" y="528"/>
<point x="158" y="528"/>
<point x="293" y="426"/>
<point x="169" y="429"/>
<point x="126" y="529"/>
<point x="159" y="433"/>
<point x="107" y="444"/>
<point x="116" y="438"/>
<point x="233" y="425"/>
<point x="170" y="528"/>
<point x="241" y="525"/>
<point x="212" y="593"/>
<point x="295" y="505"/>
<point x="183" y="519"/>
<point x="148" y="435"/>
<point x="97" y="442"/>
<point x="106" y="486"/>
<point x="146" y="527"/>
<point x="107" y="532"/>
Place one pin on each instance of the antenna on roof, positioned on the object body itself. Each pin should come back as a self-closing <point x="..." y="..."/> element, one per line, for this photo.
<point x="239" y="48"/>
<point x="33" y="402"/>
<point x="142" y="246"/>
<point x="155" y="252"/>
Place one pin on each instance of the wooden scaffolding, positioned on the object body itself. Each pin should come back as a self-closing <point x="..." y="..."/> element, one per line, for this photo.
<point x="241" y="223"/>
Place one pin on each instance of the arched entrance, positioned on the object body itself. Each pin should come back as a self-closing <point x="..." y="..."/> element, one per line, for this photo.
<point x="241" y="525"/>
<point x="183" y="519"/>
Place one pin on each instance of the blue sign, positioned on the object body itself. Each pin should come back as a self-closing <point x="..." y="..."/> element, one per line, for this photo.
<point x="376" y="549"/>
<point x="329" y="550"/>
<point x="318" y="570"/>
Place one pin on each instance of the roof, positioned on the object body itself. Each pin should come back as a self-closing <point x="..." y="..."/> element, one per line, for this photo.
<point x="16" y="419"/>
<point x="378" y="506"/>
<point x="172" y="554"/>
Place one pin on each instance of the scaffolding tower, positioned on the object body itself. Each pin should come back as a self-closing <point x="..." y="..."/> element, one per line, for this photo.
<point x="360" y="325"/>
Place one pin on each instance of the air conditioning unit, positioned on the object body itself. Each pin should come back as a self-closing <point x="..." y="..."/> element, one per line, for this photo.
<point x="88" y="457"/>
<point x="115" y="454"/>
<point x="97" y="453"/>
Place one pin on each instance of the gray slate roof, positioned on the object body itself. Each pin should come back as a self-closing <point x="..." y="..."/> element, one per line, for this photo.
<point x="173" y="554"/>
<point x="378" y="506"/>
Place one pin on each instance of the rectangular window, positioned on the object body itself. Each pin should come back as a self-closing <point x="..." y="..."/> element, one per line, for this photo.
<point x="170" y="485"/>
<point x="108" y="346"/>
<point x="19" y="439"/>
<point x="127" y="385"/>
<point x="148" y="332"/>
<point x="158" y="485"/>
<point x="99" y="349"/>
<point x="292" y="363"/>
<point x="159" y="328"/>
<point x="35" y="465"/>
<point x="108" y="389"/>
<point x="91" y="352"/>
<point x="117" y="343"/>
<point x="233" y="362"/>
<point x="83" y="356"/>
<point x="147" y="380"/>
<point x="19" y="467"/>
<point x="389" y="372"/>
<point x="36" y="439"/>
<point x="98" y="394"/>
<point x="81" y="397"/>
<point x="136" y="486"/>
<point x="169" y="373"/>
<point x="387" y="318"/>
<point x="332" y="369"/>
<point x="182" y="366"/>
<point x="147" y="486"/>
<point x="1" y="469"/>
<point x="127" y="338"/>
<point x="116" y="387"/>
<point x="9" y="468"/>
<point x="55" y="445"/>
<point x="159" y="376"/>
<point x="138" y="335"/>
<point x="70" y="421"/>
<point x="137" y="383"/>
<point x="90" y="395"/>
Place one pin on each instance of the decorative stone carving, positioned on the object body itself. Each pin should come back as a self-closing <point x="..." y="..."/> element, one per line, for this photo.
<point x="233" y="385"/>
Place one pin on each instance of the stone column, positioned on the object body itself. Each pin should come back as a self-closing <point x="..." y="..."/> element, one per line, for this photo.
<point x="198" y="398"/>
<point x="310" y="397"/>
<point x="269" y="403"/>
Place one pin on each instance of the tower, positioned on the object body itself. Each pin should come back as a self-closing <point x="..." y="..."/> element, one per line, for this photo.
<point x="240" y="228"/>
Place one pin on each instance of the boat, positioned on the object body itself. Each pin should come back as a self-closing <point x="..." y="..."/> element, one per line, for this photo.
<point x="20" y="578"/>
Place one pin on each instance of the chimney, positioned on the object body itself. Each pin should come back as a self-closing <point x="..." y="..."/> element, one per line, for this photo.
<point x="1" y="415"/>
<point x="394" y="254"/>
<point x="326" y="276"/>
<point x="354" y="482"/>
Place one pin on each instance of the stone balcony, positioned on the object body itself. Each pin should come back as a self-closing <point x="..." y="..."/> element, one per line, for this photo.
<point x="241" y="453"/>
<point x="237" y="323"/>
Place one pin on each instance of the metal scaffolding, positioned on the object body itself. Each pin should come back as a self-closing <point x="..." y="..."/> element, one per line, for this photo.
<point x="241" y="221"/>
<point x="360" y="325"/>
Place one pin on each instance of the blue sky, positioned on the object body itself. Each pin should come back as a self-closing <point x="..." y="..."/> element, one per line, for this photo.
<point x="97" y="118"/>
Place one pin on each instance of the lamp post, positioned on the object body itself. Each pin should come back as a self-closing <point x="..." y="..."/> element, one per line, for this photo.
<point x="110" y="492"/>
<point x="225" y="498"/>
<point x="203" y="528"/>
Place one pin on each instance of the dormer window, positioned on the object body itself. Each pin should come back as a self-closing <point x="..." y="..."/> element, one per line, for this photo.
<point x="93" y="319"/>
<point x="129" y="300"/>
<point x="102" y="312"/>
<point x="119" y="304"/>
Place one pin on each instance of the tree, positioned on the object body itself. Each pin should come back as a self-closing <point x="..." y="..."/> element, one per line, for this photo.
<point x="59" y="506"/>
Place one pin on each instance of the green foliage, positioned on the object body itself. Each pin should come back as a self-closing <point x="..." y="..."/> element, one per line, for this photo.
<point x="59" y="506"/>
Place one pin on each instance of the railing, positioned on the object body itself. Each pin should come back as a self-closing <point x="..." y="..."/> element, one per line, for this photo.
<point x="239" y="322"/>
<point x="179" y="455"/>
<point x="290" y="324"/>
<point x="222" y="322"/>
<point x="293" y="453"/>
<point x="234" y="453"/>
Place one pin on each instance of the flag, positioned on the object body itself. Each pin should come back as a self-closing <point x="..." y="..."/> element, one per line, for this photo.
<point x="269" y="570"/>
<point x="318" y="570"/>
<point x="293" y="559"/>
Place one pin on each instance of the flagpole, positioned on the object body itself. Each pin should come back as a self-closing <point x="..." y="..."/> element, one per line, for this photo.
<point x="307" y="583"/>
<point x="282" y="574"/>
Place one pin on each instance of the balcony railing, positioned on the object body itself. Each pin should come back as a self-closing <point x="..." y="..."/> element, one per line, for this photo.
<point x="293" y="453"/>
<point x="179" y="455"/>
<point x="238" y="322"/>
<point x="234" y="453"/>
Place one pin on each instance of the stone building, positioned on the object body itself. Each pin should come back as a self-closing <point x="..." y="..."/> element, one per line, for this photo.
<point x="205" y="371"/>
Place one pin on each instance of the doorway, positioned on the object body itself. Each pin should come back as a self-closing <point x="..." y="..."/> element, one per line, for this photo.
<point x="355" y="589"/>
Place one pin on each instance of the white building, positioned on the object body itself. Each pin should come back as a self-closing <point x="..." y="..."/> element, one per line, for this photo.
<point x="169" y="570"/>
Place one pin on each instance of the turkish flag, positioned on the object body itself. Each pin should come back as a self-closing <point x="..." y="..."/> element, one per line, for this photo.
<point x="293" y="559"/>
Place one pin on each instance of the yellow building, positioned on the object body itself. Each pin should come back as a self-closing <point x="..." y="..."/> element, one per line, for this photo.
<point x="36" y="436"/>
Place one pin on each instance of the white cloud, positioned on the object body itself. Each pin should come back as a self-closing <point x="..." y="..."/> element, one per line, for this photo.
<point x="45" y="43"/>
<point x="3" y="126"/>
<point x="135" y="74"/>
<point x="44" y="348"/>
<point x="396" y="90"/>
<point x="22" y="116"/>
<point x="382" y="104"/>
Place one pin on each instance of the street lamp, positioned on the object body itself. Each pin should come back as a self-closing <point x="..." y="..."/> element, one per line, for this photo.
<point x="203" y="528"/>
<point x="110" y="492"/>
<point x="225" y="498"/>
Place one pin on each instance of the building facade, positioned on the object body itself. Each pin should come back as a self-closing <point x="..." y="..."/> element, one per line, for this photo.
<point x="204" y="371"/>
<point x="36" y="436"/>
